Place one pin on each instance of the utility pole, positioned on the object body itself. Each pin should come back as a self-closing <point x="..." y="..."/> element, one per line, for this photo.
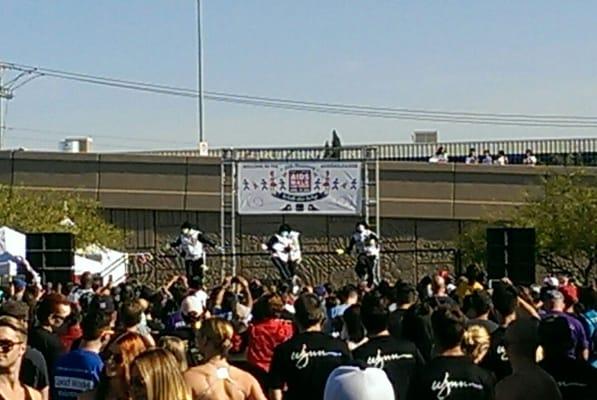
<point x="2" y="96"/>
<point x="200" y="108"/>
<point x="7" y="90"/>
<point x="1" y="109"/>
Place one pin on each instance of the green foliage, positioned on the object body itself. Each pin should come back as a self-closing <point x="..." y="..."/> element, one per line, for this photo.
<point x="565" y="221"/>
<point x="472" y="244"/>
<point x="37" y="211"/>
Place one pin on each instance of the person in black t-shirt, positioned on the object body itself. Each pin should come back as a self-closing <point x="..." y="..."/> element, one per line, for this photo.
<point x="416" y="327"/>
<point x="505" y="300"/>
<point x="406" y="296"/>
<point x="398" y="358"/>
<point x="51" y="313"/>
<point x="304" y="362"/>
<point x="576" y="379"/>
<point x="451" y="375"/>
<point x="527" y="381"/>
<point x="479" y="306"/>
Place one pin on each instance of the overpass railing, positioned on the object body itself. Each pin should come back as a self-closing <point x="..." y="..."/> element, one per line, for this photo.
<point x="574" y="151"/>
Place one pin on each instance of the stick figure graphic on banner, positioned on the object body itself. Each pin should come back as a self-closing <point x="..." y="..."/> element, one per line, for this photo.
<point x="353" y="184"/>
<point x="335" y="184"/>
<point x="326" y="182"/>
<point x="272" y="179"/>
<point x="317" y="183"/>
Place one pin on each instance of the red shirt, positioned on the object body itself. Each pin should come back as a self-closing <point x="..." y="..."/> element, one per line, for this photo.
<point x="72" y="334"/>
<point x="264" y="336"/>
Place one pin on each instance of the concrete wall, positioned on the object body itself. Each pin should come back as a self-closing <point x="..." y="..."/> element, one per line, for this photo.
<point x="408" y="190"/>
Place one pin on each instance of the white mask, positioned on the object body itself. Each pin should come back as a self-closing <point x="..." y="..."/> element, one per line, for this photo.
<point x="361" y="228"/>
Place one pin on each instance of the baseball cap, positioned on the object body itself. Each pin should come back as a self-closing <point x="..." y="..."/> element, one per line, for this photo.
<point x="191" y="304"/>
<point x="570" y="295"/>
<point x="551" y="281"/>
<point x="358" y="383"/>
<point x="554" y="295"/>
<point x="320" y="291"/>
<point x="19" y="283"/>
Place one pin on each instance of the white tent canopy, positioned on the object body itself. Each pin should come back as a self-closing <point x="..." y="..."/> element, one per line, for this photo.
<point x="12" y="244"/>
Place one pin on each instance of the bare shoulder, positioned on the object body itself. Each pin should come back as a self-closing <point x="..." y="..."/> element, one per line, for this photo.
<point x="243" y="376"/>
<point x="196" y="370"/>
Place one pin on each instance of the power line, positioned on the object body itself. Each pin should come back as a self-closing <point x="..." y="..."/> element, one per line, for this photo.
<point x="528" y="120"/>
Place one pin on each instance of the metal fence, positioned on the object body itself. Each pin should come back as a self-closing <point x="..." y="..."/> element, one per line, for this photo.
<point x="576" y="151"/>
<point x="317" y="266"/>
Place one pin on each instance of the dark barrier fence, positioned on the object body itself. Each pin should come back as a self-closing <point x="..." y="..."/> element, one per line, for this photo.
<point x="317" y="267"/>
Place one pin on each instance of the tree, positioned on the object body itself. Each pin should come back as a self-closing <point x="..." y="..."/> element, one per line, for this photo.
<point x="564" y="218"/>
<point x="49" y="211"/>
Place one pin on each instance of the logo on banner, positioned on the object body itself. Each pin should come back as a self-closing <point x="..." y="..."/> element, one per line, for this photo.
<point x="296" y="185"/>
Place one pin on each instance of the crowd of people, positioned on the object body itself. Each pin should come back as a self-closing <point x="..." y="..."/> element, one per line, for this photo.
<point x="445" y="338"/>
<point x="441" y="156"/>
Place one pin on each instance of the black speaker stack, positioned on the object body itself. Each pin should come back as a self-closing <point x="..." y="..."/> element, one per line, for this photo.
<point x="511" y="253"/>
<point x="52" y="254"/>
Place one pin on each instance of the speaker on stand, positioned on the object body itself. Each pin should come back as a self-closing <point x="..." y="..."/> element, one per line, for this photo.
<point x="511" y="253"/>
<point x="52" y="254"/>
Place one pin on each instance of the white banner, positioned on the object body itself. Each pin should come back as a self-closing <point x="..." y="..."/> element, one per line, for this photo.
<point x="295" y="187"/>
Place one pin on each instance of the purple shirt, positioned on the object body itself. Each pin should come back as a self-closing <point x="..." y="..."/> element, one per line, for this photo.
<point x="579" y="336"/>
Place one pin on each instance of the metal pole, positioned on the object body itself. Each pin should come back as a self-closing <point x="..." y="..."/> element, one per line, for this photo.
<point x="1" y="109"/>
<point x="200" y="122"/>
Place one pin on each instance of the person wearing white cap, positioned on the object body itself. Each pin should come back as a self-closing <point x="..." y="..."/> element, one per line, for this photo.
<point x="358" y="383"/>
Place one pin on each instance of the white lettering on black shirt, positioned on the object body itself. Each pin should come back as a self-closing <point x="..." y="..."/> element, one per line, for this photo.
<point x="444" y="388"/>
<point x="572" y="384"/>
<point x="501" y="351"/>
<point x="302" y="358"/>
<point x="379" y="360"/>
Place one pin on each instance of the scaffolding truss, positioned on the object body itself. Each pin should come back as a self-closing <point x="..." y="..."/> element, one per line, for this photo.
<point x="230" y="244"/>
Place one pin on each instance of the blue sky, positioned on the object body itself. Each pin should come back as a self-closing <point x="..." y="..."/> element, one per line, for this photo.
<point x="536" y="57"/>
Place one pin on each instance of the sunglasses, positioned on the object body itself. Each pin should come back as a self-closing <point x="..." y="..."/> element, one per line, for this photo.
<point x="59" y="318"/>
<point x="7" y="345"/>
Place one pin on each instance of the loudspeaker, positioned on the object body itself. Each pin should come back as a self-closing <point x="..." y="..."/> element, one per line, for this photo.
<point x="511" y="253"/>
<point x="53" y="254"/>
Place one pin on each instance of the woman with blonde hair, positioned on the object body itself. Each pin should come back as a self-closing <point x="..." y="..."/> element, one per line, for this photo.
<point x="118" y="357"/>
<point x="178" y="348"/>
<point x="155" y="376"/>
<point x="216" y="379"/>
<point x="476" y="342"/>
